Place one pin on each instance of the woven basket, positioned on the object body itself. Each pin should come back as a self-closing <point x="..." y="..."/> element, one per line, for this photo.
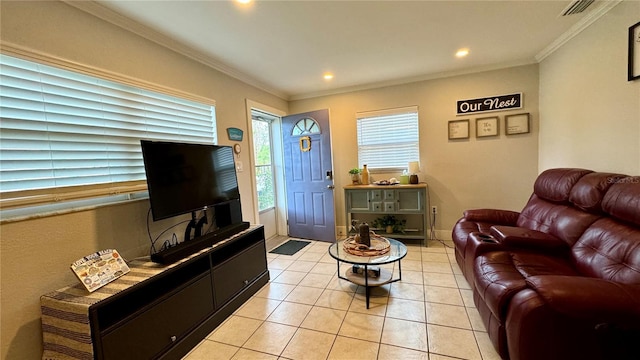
<point x="379" y="246"/>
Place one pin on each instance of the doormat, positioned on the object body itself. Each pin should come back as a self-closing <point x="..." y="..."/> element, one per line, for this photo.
<point x="290" y="247"/>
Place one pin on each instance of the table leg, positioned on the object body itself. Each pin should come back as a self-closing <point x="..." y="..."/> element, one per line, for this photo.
<point x="366" y="284"/>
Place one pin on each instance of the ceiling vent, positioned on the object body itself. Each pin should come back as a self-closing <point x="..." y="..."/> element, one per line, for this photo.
<point x="576" y="7"/>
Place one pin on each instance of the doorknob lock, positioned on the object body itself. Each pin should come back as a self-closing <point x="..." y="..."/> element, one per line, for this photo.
<point x="331" y="187"/>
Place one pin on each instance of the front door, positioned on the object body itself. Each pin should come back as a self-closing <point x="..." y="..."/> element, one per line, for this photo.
<point x="309" y="175"/>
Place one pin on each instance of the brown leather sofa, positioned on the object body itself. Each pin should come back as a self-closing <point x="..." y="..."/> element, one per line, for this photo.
<point x="561" y="278"/>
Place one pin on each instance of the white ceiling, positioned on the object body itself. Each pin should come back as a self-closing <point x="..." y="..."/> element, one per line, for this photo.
<point x="285" y="46"/>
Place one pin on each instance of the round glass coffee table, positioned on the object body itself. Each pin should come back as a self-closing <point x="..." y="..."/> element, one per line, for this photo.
<point x="396" y="252"/>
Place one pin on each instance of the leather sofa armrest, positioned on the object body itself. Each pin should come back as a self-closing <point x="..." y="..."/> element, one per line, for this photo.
<point x="597" y="300"/>
<point x="493" y="216"/>
<point x="518" y="237"/>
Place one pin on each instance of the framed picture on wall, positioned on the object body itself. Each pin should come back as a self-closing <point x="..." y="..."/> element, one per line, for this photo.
<point x="634" y="52"/>
<point x="487" y="126"/>
<point x="458" y="129"/>
<point x="516" y="124"/>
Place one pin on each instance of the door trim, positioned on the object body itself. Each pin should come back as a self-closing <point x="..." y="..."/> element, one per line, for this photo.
<point x="278" y="162"/>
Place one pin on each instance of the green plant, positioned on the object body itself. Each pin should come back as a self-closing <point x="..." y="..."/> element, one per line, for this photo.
<point x="390" y="220"/>
<point x="354" y="171"/>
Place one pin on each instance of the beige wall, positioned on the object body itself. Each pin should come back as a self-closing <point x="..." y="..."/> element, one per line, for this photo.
<point x="589" y="112"/>
<point x="490" y="172"/>
<point x="36" y="254"/>
<point x="584" y="99"/>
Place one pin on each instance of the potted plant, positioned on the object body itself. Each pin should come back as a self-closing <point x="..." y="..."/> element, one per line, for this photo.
<point x="355" y="176"/>
<point x="390" y="224"/>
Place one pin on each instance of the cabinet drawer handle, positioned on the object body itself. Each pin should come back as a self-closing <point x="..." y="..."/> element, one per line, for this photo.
<point x="173" y="338"/>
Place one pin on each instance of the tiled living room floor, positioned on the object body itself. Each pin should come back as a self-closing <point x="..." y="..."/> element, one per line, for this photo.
<point x="306" y="312"/>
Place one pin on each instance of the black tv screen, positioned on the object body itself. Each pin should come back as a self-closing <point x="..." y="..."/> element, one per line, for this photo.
<point x="185" y="177"/>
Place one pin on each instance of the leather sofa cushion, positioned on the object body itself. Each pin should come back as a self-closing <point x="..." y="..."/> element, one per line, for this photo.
<point x="537" y="264"/>
<point x="497" y="281"/>
<point x="609" y="250"/>
<point x="499" y="275"/>
<point x="622" y="201"/>
<point x="589" y="191"/>
<point x="555" y="184"/>
<point x="562" y="221"/>
<point x="595" y="300"/>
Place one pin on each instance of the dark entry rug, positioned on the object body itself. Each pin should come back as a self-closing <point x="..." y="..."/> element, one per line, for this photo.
<point x="290" y="247"/>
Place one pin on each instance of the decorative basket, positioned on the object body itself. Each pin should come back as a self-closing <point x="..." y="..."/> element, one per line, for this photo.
<point x="379" y="246"/>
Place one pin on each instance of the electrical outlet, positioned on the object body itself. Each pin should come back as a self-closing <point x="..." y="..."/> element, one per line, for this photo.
<point x="434" y="209"/>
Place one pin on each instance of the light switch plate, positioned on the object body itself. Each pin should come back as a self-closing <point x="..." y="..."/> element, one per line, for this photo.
<point x="239" y="166"/>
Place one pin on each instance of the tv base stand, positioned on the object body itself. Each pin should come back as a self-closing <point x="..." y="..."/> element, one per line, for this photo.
<point x="156" y="311"/>
<point x="187" y="248"/>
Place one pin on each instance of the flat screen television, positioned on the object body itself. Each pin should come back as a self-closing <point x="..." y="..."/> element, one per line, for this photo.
<point x="185" y="177"/>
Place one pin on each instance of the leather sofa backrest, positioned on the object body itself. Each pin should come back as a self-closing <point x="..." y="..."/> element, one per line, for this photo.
<point x="555" y="185"/>
<point x="550" y="210"/>
<point x="622" y="200"/>
<point x="610" y="248"/>
<point x="588" y="192"/>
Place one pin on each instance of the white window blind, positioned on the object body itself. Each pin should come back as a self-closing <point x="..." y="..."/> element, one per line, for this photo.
<point x="62" y="129"/>
<point x="388" y="139"/>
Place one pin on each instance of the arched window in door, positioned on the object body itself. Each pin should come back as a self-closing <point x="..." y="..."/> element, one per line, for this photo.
<point x="306" y="126"/>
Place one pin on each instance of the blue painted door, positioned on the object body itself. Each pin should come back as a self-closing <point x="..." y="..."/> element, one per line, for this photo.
<point x="309" y="175"/>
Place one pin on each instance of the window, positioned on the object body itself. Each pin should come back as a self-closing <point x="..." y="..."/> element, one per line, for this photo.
<point x="306" y="126"/>
<point x="67" y="135"/>
<point x="261" y="128"/>
<point x="388" y="139"/>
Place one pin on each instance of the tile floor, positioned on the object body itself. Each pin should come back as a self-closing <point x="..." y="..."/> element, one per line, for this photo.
<point x="306" y="312"/>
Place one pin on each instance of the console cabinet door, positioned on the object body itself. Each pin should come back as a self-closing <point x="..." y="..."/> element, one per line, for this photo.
<point x="230" y="277"/>
<point x="410" y="200"/>
<point x="358" y="200"/>
<point x="153" y="331"/>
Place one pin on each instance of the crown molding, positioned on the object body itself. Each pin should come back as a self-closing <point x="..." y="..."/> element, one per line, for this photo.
<point x="413" y="79"/>
<point x="577" y="28"/>
<point x="102" y="12"/>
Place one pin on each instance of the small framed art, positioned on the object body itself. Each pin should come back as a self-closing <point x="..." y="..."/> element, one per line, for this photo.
<point x="516" y="124"/>
<point x="458" y="129"/>
<point x="487" y="126"/>
<point x="634" y="52"/>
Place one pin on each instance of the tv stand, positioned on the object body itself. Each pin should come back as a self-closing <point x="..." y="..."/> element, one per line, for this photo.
<point x="156" y="311"/>
<point x="187" y="248"/>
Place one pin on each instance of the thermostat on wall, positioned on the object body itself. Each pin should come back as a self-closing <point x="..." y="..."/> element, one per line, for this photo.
<point x="98" y="269"/>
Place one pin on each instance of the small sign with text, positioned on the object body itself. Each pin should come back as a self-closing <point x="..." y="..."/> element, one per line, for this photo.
<point x="491" y="103"/>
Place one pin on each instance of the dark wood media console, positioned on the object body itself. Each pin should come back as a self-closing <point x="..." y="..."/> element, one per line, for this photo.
<point x="157" y="311"/>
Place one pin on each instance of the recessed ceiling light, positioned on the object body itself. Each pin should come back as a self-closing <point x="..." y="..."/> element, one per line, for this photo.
<point x="243" y="1"/>
<point x="462" y="53"/>
<point x="328" y="76"/>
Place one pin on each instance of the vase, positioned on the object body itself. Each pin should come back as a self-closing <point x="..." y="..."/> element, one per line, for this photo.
<point x="389" y="229"/>
<point x="365" y="175"/>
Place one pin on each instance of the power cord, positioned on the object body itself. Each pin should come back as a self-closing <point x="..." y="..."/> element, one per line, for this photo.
<point x="432" y="234"/>
<point x="167" y="243"/>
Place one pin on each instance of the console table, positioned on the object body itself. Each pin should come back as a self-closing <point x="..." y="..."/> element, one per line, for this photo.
<point x="366" y="202"/>
<point x="155" y="310"/>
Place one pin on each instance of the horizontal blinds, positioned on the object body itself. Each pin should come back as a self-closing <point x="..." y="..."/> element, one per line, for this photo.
<point x="388" y="139"/>
<point x="60" y="128"/>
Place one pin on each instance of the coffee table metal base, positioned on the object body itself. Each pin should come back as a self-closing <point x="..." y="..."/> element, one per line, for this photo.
<point x="385" y="277"/>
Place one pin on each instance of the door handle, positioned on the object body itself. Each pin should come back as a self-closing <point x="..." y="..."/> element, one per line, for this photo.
<point x="331" y="187"/>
